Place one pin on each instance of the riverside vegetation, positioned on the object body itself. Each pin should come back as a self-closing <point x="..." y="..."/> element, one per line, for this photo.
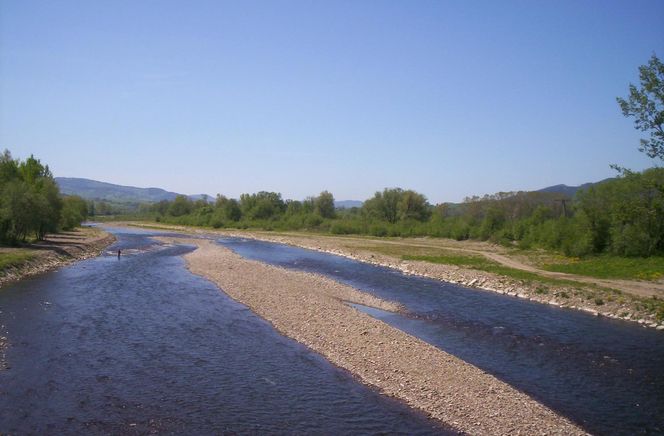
<point x="30" y="207"/>
<point x="30" y="202"/>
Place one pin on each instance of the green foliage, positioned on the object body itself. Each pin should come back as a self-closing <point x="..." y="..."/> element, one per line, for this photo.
<point x="613" y="267"/>
<point x="484" y="264"/>
<point x="623" y="216"/>
<point x="262" y="205"/>
<point x="395" y="204"/>
<point x="180" y="206"/>
<point x="324" y="205"/>
<point x="14" y="258"/>
<point x="74" y="212"/>
<point x="30" y="201"/>
<point x="646" y="105"/>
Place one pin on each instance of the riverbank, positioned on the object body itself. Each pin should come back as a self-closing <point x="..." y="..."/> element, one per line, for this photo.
<point x="598" y="301"/>
<point x="313" y="310"/>
<point x="613" y="302"/>
<point x="55" y="251"/>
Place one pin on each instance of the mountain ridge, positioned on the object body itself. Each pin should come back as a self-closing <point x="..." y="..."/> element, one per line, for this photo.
<point x="95" y="190"/>
<point x="104" y="191"/>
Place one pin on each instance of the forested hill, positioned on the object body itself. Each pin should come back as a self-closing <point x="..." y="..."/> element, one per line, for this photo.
<point x="95" y="190"/>
<point x="570" y="191"/>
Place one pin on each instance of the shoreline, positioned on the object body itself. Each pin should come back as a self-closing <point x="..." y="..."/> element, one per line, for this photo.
<point x="58" y="250"/>
<point x="624" y="307"/>
<point x="314" y="311"/>
<point x="483" y="280"/>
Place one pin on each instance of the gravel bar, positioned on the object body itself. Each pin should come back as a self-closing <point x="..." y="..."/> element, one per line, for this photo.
<point x="313" y="310"/>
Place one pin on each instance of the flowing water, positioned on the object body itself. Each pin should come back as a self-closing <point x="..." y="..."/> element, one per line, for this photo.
<point x="139" y="345"/>
<point x="606" y="375"/>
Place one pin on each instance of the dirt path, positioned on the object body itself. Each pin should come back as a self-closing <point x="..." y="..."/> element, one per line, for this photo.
<point x="492" y="252"/>
<point x="636" y="287"/>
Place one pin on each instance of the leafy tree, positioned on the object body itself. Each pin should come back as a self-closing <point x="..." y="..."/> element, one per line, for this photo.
<point x="180" y="206"/>
<point x="8" y="168"/>
<point x="646" y="105"/>
<point x="324" y="204"/>
<point x="74" y="212"/>
<point x="384" y="205"/>
<point x="262" y="205"/>
<point x="227" y="209"/>
<point x="413" y="205"/>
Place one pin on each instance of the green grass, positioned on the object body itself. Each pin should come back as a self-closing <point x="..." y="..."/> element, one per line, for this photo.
<point x="14" y="258"/>
<point x="483" y="264"/>
<point x="654" y="305"/>
<point x="611" y="267"/>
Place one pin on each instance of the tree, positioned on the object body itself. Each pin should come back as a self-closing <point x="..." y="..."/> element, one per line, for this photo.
<point x="74" y="212"/>
<point x="325" y="204"/>
<point x="646" y="105"/>
<point x="413" y="205"/>
<point x="180" y="206"/>
<point x="227" y="209"/>
<point x="262" y="205"/>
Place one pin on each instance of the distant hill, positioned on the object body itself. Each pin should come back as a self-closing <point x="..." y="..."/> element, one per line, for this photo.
<point x="348" y="204"/>
<point x="570" y="191"/>
<point x="94" y="190"/>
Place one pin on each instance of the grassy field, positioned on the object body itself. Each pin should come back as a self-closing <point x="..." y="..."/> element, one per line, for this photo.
<point x="611" y="267"/>
<point x="14" y="258"/>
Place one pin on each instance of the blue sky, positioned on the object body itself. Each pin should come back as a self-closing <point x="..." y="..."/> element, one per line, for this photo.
<point x="450" y="98"/>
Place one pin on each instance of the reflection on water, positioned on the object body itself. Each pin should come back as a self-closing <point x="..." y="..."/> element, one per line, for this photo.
<point x="138" y="345"/>
<point x="607" y="375"/>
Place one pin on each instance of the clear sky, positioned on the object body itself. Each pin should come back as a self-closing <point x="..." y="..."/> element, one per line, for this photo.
<point x="450" y="98"/>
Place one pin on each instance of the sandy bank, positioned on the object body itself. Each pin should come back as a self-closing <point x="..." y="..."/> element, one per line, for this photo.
<point x="58" y="250"/>
<point x="310" y="309"/>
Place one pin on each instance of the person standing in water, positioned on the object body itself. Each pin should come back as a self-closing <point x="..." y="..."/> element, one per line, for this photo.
<point x="119" y="253"/>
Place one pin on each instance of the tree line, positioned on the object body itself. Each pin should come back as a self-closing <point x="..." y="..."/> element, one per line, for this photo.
<point x="30" y="201"/>
<point x="622" y="216"/>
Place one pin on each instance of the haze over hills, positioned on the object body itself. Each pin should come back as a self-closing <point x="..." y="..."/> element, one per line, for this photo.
<point x="103" y="191"/>
<point x="95" y="190"/>
<point x="570" y="191"/>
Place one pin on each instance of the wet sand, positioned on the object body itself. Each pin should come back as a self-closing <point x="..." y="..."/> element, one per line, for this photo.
<point x="313" y="310"/>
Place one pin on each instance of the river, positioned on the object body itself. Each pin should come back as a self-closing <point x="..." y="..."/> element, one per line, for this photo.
<point x="606" y="375"/>
<point x="139" y="345"/>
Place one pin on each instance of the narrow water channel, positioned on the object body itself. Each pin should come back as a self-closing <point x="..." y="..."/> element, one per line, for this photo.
<point x="606" y="375"/>
<point x="139" y="345"/>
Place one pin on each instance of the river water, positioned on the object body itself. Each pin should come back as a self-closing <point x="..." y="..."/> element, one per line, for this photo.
<point x="139" y="345"/>
<point x="606" y="375"/>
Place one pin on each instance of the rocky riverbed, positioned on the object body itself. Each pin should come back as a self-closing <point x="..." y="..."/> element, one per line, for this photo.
<point x="313" y="310"/>
<point x="613" y="304"/>
<point x="599" y="302"/>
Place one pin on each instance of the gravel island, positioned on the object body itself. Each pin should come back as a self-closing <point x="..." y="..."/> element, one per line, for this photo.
<point x="313" y="310"/>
